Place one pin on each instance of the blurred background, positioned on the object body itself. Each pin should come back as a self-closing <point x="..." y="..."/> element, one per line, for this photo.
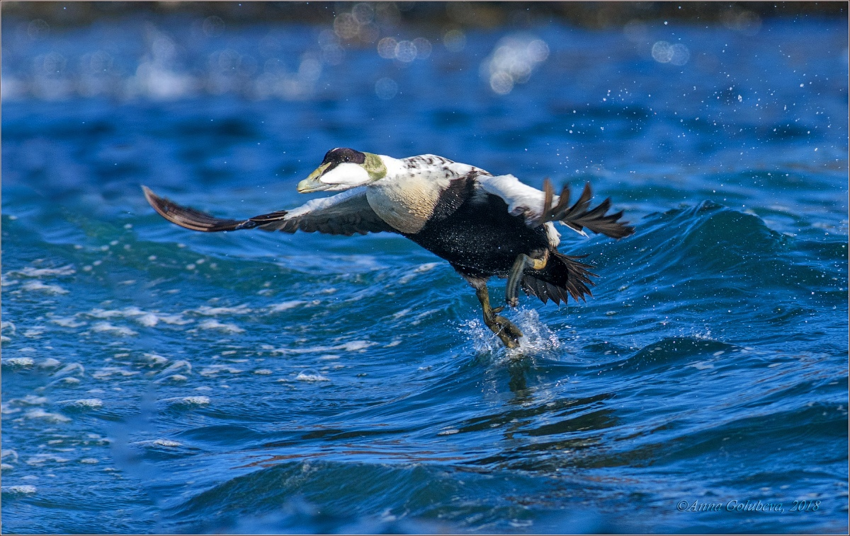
<point x="159" y="380"/>
<point x="170" y="50"/>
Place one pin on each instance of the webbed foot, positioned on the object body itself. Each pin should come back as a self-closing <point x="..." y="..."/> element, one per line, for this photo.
<point x="505" y="330"/>
<point x="501" y="326"/>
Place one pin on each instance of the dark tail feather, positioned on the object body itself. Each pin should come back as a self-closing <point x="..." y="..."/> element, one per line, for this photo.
<point x="563" y="276"/>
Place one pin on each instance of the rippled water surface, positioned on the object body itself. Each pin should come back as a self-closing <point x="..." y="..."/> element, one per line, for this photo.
<point x="160" y="380"/>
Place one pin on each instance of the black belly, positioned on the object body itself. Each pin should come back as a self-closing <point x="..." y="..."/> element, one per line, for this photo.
<point x="481" y="239"/>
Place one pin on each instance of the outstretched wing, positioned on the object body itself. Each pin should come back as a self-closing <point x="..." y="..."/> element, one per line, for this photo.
<point x="538" y="207"/>
<point x="342" y="214"/>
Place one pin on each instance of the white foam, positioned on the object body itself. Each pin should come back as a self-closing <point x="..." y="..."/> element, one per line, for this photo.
<point x="174" y="320"/>
<point x="90" y="460"/>
<point x="24" y="489"/>
<point x="102" y="313"/>
<point x="29" y="271"/>
<point x="127" y="312"/>
<point x="215" y="324"/>
<point x="49" y="362"/>
<point x="285" y="306"/>
<point x="263" y="371"/>
<point x="148" y="320"/>
<point x="356" y="346"/>
<point x="50" y="417"/>
<point x="196" y="400"/>
<point x="34" y="332"/>
<point x="311" y="377"/>
<point x="6" y="453"/>
<point x="18" y="362"/>
<point x="66" y="322"/>
<point x="88" y="403"/>
<point x="176" y="378"/>
<point x="38" y="286"/>
<point x="119" y="331"/>
<point x="206" y="310"/>
<point x="29" y="400"/>
<point x="39" y="459"/>
<point x="145" y="318"/>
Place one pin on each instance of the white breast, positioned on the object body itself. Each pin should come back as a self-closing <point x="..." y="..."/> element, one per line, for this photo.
<point x="406" y="204"/>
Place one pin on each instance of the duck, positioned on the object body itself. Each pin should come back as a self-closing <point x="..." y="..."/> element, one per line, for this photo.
<point x="484" y="225"/>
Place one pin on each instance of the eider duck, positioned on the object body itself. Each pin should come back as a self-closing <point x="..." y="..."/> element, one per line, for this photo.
<point x="484" y="225"/>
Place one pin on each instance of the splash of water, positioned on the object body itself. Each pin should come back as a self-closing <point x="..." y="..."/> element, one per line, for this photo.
<point x="537" y="338"/>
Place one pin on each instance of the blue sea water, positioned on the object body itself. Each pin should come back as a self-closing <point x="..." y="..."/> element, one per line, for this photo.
<point x="160" y="380"/>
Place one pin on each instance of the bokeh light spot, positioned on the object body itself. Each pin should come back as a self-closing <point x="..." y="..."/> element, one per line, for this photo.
<point x="386" y="88"/>
<point x="386" y="48"/>
<point x="405" y="51"/>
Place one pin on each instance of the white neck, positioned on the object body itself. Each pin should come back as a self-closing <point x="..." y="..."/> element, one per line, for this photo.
<point x="395" y="167"/>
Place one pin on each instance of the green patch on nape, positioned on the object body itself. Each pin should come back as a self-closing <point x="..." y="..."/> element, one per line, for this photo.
<point x="375" y="166"/>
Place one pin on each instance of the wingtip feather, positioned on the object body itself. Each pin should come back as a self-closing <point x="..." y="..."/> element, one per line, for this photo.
<point x="189" y="218"/>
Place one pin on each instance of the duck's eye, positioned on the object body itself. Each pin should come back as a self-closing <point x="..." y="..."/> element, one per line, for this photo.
<point x="346" y="159"/>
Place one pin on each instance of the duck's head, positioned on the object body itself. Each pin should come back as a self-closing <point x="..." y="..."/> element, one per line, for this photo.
<point x="343" y="169"/>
